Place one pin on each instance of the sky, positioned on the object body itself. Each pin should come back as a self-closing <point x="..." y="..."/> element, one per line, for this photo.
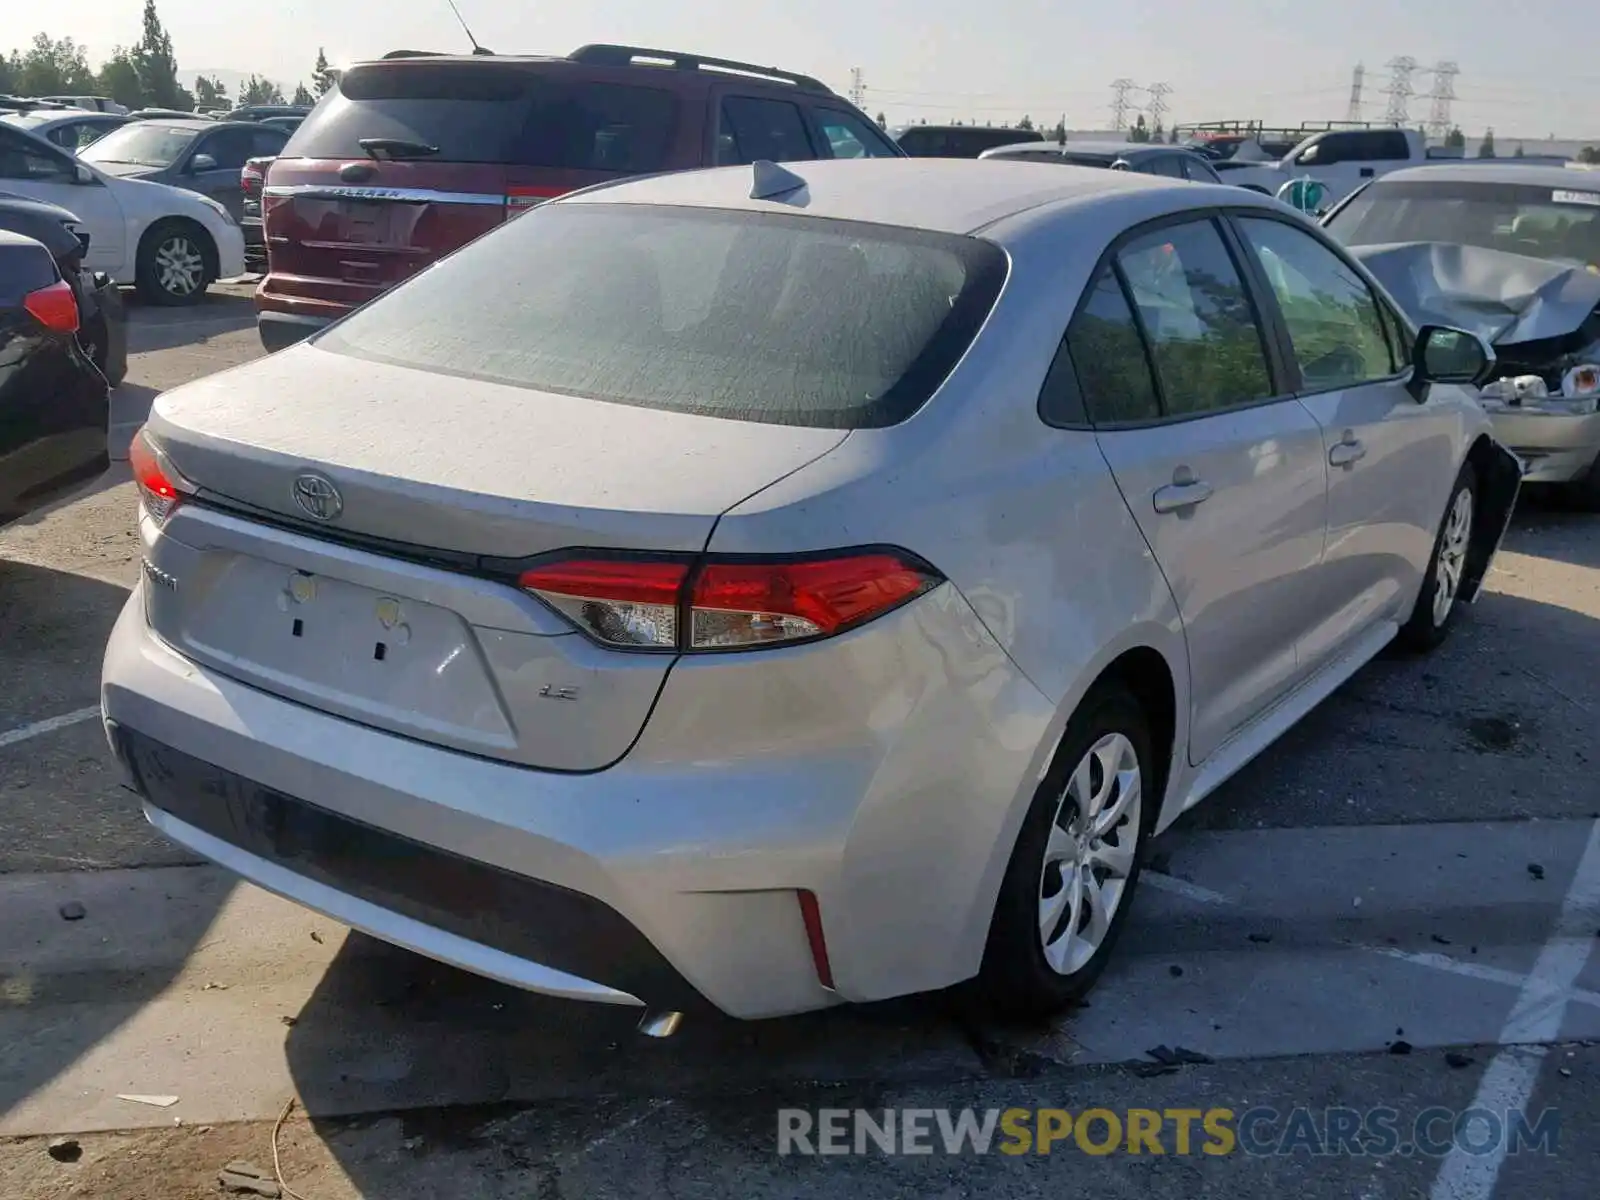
<point x="943" y="60"/>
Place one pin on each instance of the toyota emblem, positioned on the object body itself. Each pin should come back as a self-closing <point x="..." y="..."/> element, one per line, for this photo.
<point x="317" y="497"/>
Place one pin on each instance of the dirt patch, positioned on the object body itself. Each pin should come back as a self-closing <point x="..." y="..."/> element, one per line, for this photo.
<point x="1493" y="735"/>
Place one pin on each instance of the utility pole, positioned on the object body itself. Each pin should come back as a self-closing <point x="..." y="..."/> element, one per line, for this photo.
<point x="1357" y="81"/>
<point x="1119" y="102"/>
<point x="1400" y="71"/>
<point x="858" y="88"/>
<point x="1444" y="91"/>
<point x="1158" y="104"/>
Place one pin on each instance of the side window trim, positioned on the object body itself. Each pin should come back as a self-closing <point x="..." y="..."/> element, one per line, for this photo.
<point x="808" y="128"/>
<point x="1269" y="300"/>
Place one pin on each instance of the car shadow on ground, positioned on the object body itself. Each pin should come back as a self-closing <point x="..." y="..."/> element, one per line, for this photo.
<point x="65" y="985"/>
<point x="1548" y="527"/>
<point x="152" y="327"/>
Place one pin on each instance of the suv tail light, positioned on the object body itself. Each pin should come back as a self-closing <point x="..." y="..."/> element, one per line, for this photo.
<point x="252" y="177"/>
<point x="727" y="603"/>
<point x="54" y="307"/>
<point x="161" y="488"/>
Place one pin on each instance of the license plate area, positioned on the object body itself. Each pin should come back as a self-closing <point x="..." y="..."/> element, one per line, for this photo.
<point x="381" y="658"/>
<point x="367" y="222"/>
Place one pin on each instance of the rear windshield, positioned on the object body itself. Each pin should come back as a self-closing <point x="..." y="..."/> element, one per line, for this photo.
<point x="478" y="113"/>
<point x="776" y="318"/>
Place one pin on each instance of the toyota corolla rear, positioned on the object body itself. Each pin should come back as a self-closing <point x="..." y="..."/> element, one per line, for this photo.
<point x="434" y="634"/>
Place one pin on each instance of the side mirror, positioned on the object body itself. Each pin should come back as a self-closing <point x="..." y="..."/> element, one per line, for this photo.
<point x="202" y="162"/>
<point x="1445" y="355"/>
<point x="1308" y="195"/>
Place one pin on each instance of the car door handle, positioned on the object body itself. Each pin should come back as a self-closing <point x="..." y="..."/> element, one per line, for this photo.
<point x="1177" y="496"/>
<point x="1347" y="453"/>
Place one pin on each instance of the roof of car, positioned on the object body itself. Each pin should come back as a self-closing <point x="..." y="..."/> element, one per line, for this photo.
<point x="56" y="116"/>
<point x="197" y="124"/>
<point x="953" y="195"/>
<point x="1106" y="150"/>
<point x="1500" y="172"/>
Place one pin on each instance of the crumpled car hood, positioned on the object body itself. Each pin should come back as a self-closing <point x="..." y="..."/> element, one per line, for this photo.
<point x="1505" y="298"/>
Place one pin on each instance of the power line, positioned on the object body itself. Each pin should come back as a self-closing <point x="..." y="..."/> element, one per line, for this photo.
<point x="1444" y="91"/>
<point x="1119" y="102"/>
<point x="1357" y="79"/>
<point x="1400" y="70"/>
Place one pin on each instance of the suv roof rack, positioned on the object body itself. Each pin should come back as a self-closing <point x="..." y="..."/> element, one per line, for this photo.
<point x="605" y="54"/>
<point x="414" y="54"/>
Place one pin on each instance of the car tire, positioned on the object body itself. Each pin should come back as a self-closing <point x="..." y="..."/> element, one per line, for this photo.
<point x="174" y="264"/>
<point x="1438" y="603"/>
<point x="1105" y="764"/>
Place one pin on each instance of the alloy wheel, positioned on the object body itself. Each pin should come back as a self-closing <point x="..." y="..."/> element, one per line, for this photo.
<point x="1090" y="854"/>
<point x="180" y="267"/>
<point x="1453" y="545"/>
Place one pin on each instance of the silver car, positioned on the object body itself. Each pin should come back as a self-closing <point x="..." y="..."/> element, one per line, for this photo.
<point x="773" y="591"/>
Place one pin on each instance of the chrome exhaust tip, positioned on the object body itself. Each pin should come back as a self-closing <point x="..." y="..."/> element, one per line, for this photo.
<point x="660" y="1024"/>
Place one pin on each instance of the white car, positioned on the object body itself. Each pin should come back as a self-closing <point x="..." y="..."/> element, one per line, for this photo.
<point x="170" y="243"/>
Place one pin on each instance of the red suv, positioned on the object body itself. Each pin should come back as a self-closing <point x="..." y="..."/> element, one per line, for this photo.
<point x="414" y="155"/>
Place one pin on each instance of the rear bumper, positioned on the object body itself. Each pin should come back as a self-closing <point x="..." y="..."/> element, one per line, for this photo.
<point x="279" y="330"/>
<point x="674" y="873"/>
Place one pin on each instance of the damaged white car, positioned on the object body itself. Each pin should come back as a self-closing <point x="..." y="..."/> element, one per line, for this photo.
<point x="1513" y="254"/>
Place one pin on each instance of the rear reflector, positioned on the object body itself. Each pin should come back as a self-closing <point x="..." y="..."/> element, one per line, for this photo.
<point x="726" y="604"/>
<point x="54" y="307"/>
<point x="160" y="490"/>
<point x="811" y="915"/>
<point x="519" y="198"/>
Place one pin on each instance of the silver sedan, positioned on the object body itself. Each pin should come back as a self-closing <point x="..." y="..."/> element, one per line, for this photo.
<point x="785" y="587"/>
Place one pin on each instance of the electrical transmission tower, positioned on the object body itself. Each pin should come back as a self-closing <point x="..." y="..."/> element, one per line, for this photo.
<point x="1119" y="102"/>
<point x="1400" y="71"/>
<point x="1357" y="82"/>
<point x="1158" y="104"/>
<point x="858" y="87"/>
<point x="1444" y="91"/>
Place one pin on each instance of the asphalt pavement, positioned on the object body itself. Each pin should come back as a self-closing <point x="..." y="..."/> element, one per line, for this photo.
<point x="1391" y="910"/>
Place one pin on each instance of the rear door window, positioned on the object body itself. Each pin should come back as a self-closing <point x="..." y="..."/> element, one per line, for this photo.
<point x="753" y="129"/>
<point x="597" y="127"/>
<point x="1205" y="337"/>
<point x="1113" y="369"/>
<point x="777" y="318"/>
<point x="229" y="147"/>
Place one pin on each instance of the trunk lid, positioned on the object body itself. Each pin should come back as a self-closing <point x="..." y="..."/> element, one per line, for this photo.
<point x="383" y="614"/>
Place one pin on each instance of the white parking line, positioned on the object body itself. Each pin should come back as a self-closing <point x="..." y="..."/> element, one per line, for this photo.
<point x="1182" y="887"/>
<point x="1509" y="1080"/>
<point x="1470" y="970"/>
<point x="49" y="725"/>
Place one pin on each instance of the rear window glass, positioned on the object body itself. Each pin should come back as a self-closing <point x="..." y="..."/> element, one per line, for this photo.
<point x="766" y="317"/>
<point x="474" y="113"/>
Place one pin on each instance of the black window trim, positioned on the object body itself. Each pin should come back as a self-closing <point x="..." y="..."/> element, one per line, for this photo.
<point x="1277" y="369"/>
<point x="1273" y="313"/>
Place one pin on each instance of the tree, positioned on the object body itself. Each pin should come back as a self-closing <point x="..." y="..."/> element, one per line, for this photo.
<point x="1172" y="137"/>
<point x="883" y="121"/>
<point x="1486" y="147"/>
<point x="257" y="90"/>
<point x="1025" y="123"/>
<point x="1061" y="131"/>
<point x="1519" y="152"/>
<point x="302" y="95"/>
<point x="1158" y="134"/>
<point x="1455" y="139"/>
<point x="1589" y="154"/>
<point x="158" y="69"/>
<point x="323" y="76"/>
<point x="210" y="92"/>
<point x="119" y="79"/>
<point x="51" y="68"/>
<point x="1140" y="132"/>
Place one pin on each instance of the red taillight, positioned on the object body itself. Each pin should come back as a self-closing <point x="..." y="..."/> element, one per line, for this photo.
<point x="726" y="604"/>
<point x="54" y="307"/>
<point x="811" y="917"/>
<point x="157" y="488"/>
